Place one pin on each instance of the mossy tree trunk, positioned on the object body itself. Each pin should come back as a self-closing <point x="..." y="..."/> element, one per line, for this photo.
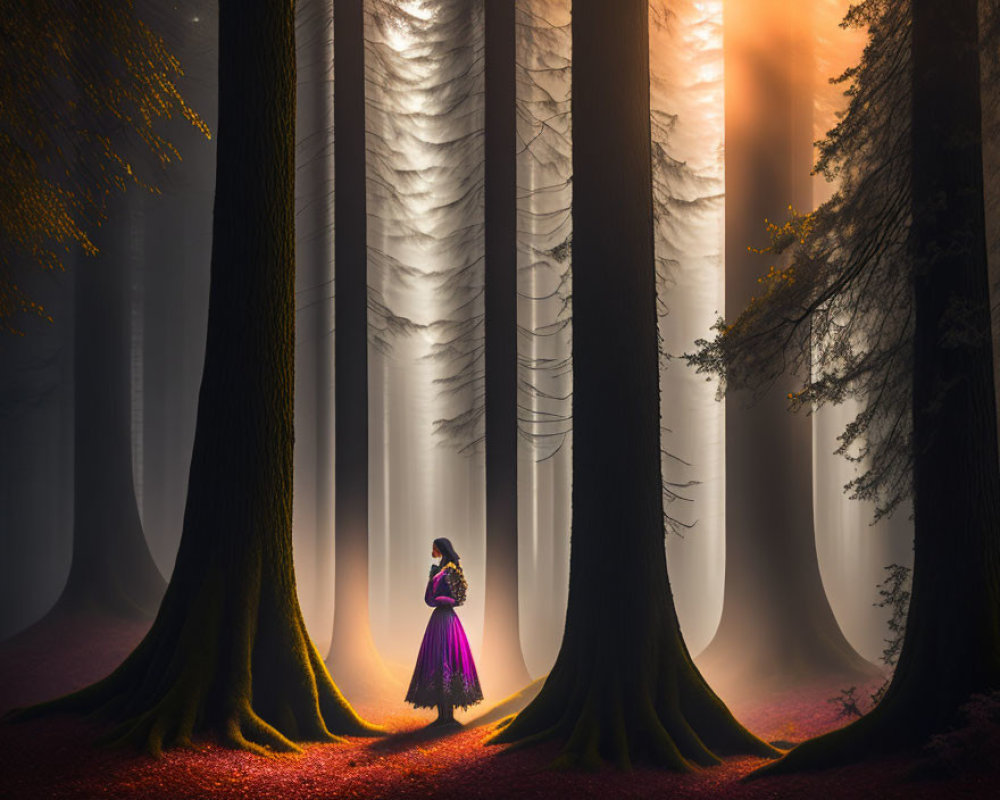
<point x="623" y="688"/>
<point x="503" y="662"/>
<point x="353" y="657"/>
<point x="951" y="648"/>
<point x="228" y="653"/>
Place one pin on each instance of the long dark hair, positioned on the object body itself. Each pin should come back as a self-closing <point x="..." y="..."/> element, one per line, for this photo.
<point x="455" y="578"/>
<point x="447" y="551"/>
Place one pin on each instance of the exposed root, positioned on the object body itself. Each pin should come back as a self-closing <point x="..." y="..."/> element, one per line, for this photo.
<point x="340" y="717"/>
<point x="185" y="680"/>
<point x="861" y="739"/>
<point x="908" y="716"/>
<point x="247" y="731"/>
<point x="503" y="723"/>
<point x="675" y="723"/>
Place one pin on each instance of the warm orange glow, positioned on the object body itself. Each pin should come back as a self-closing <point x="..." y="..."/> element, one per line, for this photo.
<point x="837" y="49"/>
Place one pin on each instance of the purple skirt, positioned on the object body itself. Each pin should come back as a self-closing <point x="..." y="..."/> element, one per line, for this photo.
<point x="445" y="673"/>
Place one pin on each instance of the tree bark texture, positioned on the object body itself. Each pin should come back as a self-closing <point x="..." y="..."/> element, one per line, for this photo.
<point x="228" y="653"/>
<point x="623" y="688"/>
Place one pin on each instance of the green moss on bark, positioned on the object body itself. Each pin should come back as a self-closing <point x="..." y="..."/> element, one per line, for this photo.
<point x="228" y="654"/>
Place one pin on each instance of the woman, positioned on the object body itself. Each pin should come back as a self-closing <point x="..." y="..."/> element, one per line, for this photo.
<point x="445" y="674"/>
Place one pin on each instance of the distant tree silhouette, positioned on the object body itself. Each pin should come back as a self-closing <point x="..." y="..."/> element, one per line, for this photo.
<point x="501" y="632"/>
<point x="314" y="340"/>
<point x="112" y="570"/>
<point x="777" y="627"/>
<point x="353" y="657"/>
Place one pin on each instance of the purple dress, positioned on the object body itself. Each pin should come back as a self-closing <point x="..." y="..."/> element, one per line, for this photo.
<point x="445" y="673"/>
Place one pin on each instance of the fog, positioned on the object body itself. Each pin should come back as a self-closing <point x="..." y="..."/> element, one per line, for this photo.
<point x="424" y="134"/>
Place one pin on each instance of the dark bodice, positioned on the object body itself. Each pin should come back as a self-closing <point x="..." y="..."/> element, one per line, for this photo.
<point x="438" y="593"/>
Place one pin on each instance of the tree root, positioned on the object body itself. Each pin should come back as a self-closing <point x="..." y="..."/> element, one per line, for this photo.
<point x="187" y="679"/>
<point x="623" y="723"/>
<point x="861" y="739"/>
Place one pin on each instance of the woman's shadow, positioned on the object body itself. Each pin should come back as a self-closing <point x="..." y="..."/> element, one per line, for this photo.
<point x="404" y="740"/>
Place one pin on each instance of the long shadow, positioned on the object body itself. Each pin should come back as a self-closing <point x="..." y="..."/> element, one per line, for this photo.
<point x="397" y="742"/>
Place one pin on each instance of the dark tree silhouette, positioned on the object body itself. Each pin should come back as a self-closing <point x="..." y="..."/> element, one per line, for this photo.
<point x="989" y="37"/>
<point x="353" y="657"/>
<point x="777" y="627"/>
<point x="899" y="254"/>
<point x="951" y="649"/>
<point x="228" y="653"/>
<point x="623" y="687"/>
<point x="502" y="656"/>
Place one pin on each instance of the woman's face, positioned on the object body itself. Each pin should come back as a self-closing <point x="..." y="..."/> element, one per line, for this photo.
<point x="435" y="553"/>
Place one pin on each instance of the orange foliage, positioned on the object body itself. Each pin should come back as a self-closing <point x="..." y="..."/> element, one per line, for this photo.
<point x="78" y="80"/>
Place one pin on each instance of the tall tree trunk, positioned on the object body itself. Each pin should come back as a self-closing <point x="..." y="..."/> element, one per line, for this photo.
<point x="623" y="687"/>
<point x="777" y="627"/>
<point x="353" y="657"/>
<point x="502" y="661"/>
<point x="314" y="312"/>
<point x="112" y="570"/>
<point x="951" y="648"/>
<point x="989" y="64"/>
<point x="228" y="653"/>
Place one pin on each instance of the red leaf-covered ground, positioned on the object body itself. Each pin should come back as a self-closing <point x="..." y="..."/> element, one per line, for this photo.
<point x="58" y="757"/>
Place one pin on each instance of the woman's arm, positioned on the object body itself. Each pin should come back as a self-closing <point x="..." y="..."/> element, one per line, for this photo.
<point x="438" y="592"/>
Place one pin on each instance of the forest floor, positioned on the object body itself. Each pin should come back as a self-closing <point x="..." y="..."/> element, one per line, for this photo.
<point x="58" y="757"/>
